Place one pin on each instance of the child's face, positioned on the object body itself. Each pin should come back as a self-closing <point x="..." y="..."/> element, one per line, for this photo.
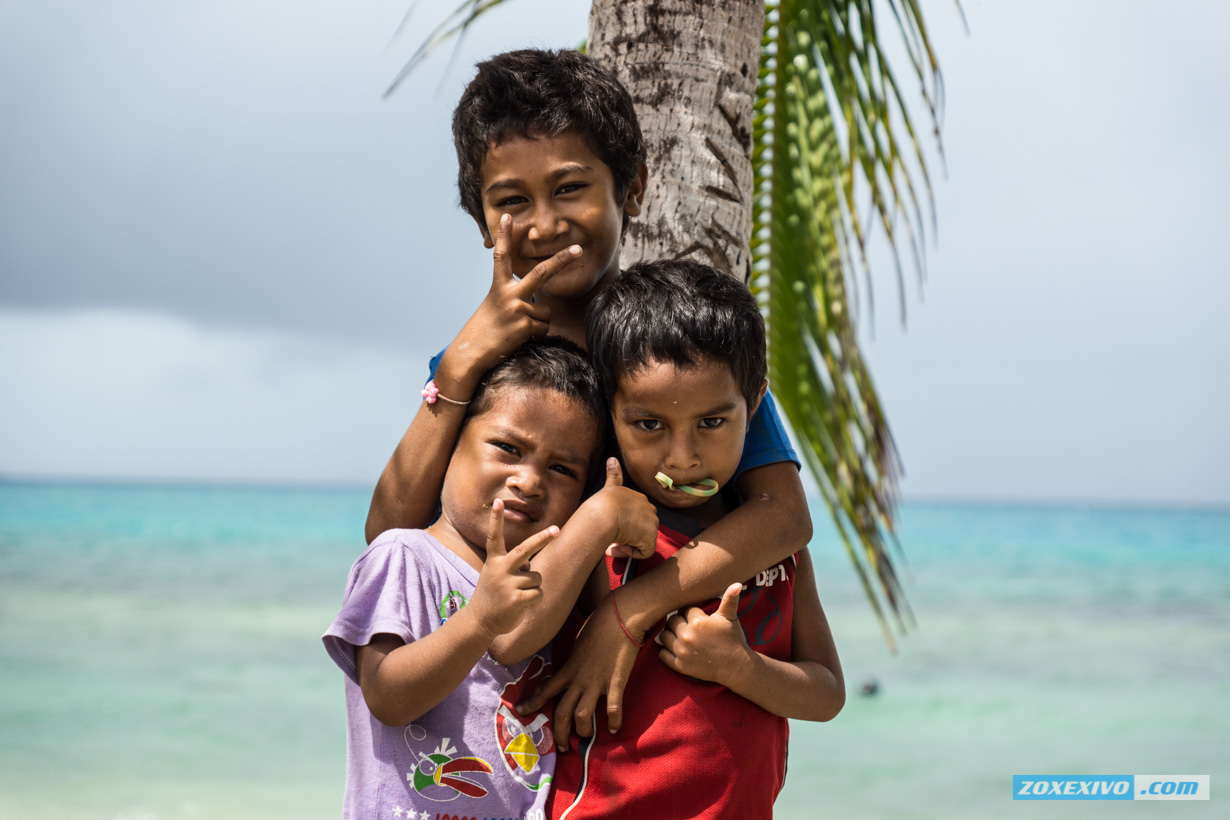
<point x="686" y="421"/>
<point x="532" y="449"/>
<point x="558" y="194"/>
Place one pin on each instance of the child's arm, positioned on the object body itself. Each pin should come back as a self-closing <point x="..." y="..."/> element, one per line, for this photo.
<point x="613" y="514"/>
<point x="773" y="525"/>
<point x="409" y="488"/>
<point x="597" y="588"/>
<point x="401" y="681"/>
<point x="770" y="527"/>
<point x="714" y="648"/>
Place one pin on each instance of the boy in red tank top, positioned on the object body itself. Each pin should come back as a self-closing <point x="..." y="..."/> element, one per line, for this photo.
<point x="680" y="352"/>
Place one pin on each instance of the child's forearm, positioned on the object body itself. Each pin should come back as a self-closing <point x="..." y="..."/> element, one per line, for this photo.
<point x="808" y="687"/>
<point x="408" y="492"/>
<point x="714" y="647"/>
<point x="801" y="690"/>
<point x="409" y="488"/>
<point x="773" y="524"/>
<point x="402" y="681"/>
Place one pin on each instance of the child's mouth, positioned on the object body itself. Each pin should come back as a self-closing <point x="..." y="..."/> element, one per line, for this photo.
<point x="701" y="489"/>
<point x="518" y="512"/>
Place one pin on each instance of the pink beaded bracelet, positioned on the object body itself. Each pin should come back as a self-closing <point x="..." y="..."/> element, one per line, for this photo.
<point x="431" y="393"/>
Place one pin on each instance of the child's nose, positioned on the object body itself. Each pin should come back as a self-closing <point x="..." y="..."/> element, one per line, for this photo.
<point x="527" y="482"/>
<point x="546" y="225"/>
<point x="683" y="454"/>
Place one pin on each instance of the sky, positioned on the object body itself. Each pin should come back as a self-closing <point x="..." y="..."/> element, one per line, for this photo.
<point x="224" y="256"/>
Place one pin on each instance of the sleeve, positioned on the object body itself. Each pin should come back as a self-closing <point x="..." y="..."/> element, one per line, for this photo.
<point x="378" y="600"/>
<point x="432" y="367"/>
<point x="434" y="364"/>
<point x="766" y="442"/>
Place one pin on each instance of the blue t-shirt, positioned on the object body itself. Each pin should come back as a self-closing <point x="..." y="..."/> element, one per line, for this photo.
<point x="766" y="442"/>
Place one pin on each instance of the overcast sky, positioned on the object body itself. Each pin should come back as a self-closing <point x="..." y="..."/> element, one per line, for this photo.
<point x="223" y="256"/>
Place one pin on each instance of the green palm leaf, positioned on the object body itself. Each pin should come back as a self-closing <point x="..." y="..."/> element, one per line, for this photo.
<point x="829" y="116"/>
<point x="454" y="25"/>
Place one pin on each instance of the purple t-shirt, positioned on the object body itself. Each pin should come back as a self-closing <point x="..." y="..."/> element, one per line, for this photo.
<point x="472" y="755"/>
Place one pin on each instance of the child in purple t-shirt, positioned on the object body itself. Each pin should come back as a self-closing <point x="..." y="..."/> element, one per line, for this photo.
<point x="444" y="630"/>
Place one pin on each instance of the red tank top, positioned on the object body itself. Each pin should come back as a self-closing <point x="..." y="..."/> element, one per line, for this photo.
<point x="688" y="748"/>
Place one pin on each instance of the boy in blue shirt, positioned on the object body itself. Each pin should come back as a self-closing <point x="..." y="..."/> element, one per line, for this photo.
<point x="551" y="166"/>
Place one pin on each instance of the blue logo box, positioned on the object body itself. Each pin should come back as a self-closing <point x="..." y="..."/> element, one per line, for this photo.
<point x="1072" y="787"/>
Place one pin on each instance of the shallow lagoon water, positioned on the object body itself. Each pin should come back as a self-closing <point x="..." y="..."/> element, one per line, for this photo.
<point x="160" y="657"/>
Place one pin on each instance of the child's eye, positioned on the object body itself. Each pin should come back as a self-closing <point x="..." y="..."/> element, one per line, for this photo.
<point x="648" y="425"/>
<point x="712" y="423"/>
<point x="506" y="447"/>
<point x="509" y="201"/>
<point x="564" y="471"/>
<point x="571" y="187"/>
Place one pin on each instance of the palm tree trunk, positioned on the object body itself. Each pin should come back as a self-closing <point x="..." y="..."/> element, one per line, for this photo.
<point x="691" y="68"/>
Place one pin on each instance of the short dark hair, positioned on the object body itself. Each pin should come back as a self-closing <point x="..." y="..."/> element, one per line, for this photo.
<point x="676" y="311"/>
<point x="551" y="363"/>
<point x="528" y="92"/>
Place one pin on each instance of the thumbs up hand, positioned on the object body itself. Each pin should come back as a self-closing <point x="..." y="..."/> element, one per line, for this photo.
<point x="631" y="516"/>
<point x="707" y="647"/>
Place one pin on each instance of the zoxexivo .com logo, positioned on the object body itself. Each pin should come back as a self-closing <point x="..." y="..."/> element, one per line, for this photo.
<point x="1110" y="787"/>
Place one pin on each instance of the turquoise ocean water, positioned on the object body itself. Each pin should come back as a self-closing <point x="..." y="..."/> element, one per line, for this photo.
<point x="160" y="657"/>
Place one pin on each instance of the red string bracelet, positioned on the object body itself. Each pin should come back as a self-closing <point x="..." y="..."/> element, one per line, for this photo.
<point x="639" y="644"/>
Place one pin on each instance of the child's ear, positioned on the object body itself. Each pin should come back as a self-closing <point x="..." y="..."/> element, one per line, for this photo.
<point x="751" y="411"/>
<point x="488" y="242"/>
<point x="636" y="191"/>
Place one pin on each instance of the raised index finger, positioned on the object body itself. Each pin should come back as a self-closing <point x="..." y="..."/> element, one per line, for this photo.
<point x="495" y="529"/>
<point x="543" y="271"/>
<point x="503" y="273"/>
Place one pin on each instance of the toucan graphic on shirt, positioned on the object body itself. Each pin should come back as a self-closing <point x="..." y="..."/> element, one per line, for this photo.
<point x="440" y="776"/>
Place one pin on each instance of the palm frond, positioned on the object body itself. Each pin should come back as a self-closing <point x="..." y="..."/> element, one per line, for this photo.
<point x="828" y="127"/>
<point x="454" y="25"/>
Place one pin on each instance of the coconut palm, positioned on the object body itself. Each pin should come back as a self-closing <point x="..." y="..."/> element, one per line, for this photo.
<point x="777" y="135"/>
